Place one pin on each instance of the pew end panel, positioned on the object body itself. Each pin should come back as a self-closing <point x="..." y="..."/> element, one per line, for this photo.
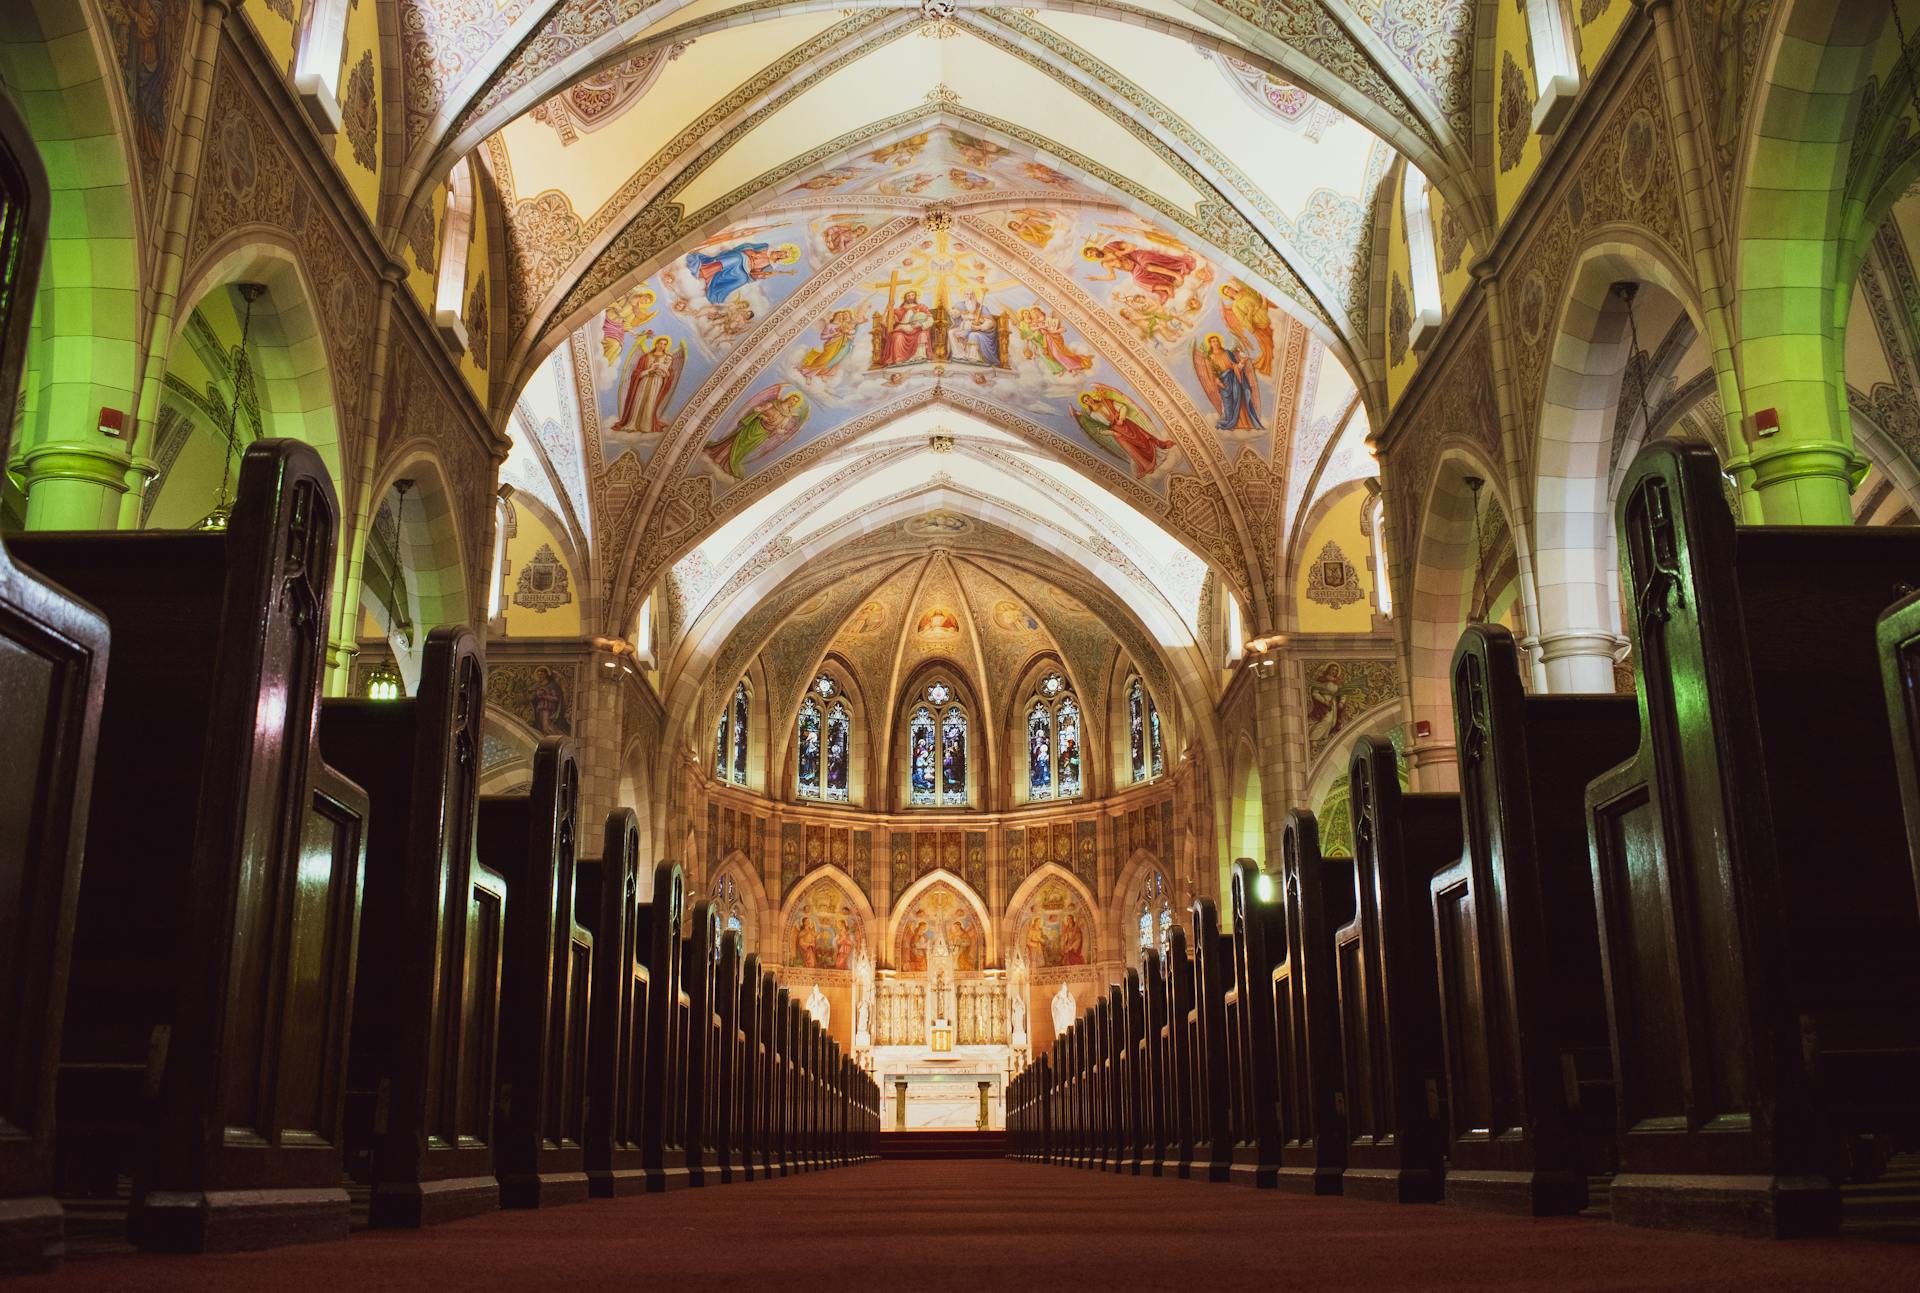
<point x="1764" y="1001"/>
<point x="1389" y="994"/>
<point x="420" y="1047"/>
<point x="661" y="1145"/>
<point x="606" y="900"/>
<point x="1315" y="896"/>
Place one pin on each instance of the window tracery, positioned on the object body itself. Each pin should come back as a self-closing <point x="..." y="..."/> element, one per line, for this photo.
<point x="1153" y="915"/>
<point x="1053" y="742"/>
<point x="825" y="740"/>
<point x="937" y="753"/>
<point x="730" y="740"/>
<point x="1145" y="752"/>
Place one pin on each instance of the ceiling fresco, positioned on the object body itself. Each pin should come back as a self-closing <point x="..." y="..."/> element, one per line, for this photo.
<point x="1084" y="281"/>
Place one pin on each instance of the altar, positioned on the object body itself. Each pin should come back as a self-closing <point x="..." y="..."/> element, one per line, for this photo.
<point x="941" y="1093"/>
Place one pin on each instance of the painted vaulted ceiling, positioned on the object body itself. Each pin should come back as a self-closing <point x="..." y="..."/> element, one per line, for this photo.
<point x="759" y="253"/>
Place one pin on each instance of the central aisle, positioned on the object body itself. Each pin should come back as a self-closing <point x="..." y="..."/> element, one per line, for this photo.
<point x="995" y="1224"/>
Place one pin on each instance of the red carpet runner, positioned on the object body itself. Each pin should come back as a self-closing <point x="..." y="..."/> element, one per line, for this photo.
<point x="993" y="1225"/>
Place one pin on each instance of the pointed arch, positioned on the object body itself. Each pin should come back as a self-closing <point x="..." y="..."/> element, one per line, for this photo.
<point x="1059" y="942"/>
<point x="813" y="932"/>
<point x="905" y="902"/>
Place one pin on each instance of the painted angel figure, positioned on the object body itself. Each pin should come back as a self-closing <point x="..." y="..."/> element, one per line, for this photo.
<point x="1159" y="273"/>
<point x="1112" y="421"/>
<point x="837" y="332"/>
<point x="771" y="418"/>
<point x="1246" y="313"/>
<point x="622" y="319"/>
<point x="1227" y="376"/>
<point x="1044" y="336"/>
<point x="651" y="376"/>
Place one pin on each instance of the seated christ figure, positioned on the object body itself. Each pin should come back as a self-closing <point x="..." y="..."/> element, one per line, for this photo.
<point x="909" y="332"/>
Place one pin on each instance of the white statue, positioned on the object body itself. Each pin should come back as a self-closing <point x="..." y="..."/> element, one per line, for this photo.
<point x="1063" y="1010"/>
<point x="818" y="1006"/>
<point x="1017" y="1002"/>
<point x="862" y="1000"/>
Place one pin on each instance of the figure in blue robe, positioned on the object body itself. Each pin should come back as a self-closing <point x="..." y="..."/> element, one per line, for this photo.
<point x="736" y="266"/>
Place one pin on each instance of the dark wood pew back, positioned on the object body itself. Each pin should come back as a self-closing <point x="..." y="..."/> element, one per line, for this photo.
<point x="1179" y="1055"/>
<point x="419" y="1128"/>
<point x="1389" y="987"/>
<point x="1258" y="943"/>
<point x="1207" y="1029"/>
<point x="1314" y="895"/>
<point x="1761" y="969"/>
<point x="1899" y="637"/>
<point x="1153" y="1066"/>
<point x="53" y="660"/>
<point x="607" y="902"/>
<point x="546" y="984"/>
<point x="697" y="955"/>
<point x="1523" y="1006"/>
<point x="728" y="1055"/>
<point x="211" y="978"/>
<point x="662" y="1150"/>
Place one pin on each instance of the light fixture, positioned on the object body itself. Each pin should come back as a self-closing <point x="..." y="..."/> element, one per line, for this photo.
<point x="384" y="682"/>
<point x="1263" y="887"/>
<point x="1260" y="652"/>
<point x="402" y="619"/>
<point x="223" y="505"/>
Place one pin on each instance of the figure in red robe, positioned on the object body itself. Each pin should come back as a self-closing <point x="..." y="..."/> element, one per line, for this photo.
<point x="1160" y="273"/>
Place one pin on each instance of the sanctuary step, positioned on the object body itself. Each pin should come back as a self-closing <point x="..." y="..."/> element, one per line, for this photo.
<point x="943" y="1144"/>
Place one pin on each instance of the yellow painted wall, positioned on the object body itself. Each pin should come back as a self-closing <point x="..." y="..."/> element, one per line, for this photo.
<point x="1399" y="271"/>
<point x="1453" y="285"/>
<point x="1511" y="37"/>
<point x="476" y="266"/>
<point x="420" y="277"/>
<point x="276" y="33"/>
<point x="363" y="38"/>
<point x="1340" y="525"/>
<point x="562" y="621"/>
<point x="1597" y="32"/>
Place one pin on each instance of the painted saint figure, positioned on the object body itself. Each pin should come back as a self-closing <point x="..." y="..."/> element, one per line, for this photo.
<point x="547" y="704"/>
<point x="734" y="267"/>
<point x="651" y="377"/>
<point x="971" y="335"/>
<point x="1228" y="378"/>
<point x="770" y="419"/>
<point x="1112" y="422"/>
<point x="1160" y="273"/>
<point x="909" y="332"/>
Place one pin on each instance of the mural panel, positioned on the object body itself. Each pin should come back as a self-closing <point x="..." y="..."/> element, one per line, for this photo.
<point x="940" y="909"/>
<point x="1058" y="927"/>
<point x="824" y="929"/>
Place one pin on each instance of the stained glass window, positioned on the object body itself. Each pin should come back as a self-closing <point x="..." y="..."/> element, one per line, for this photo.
<point x="1040" y="753"/>
<point x="1052" y="685"/>
<point x="1067" y="752"/>
<point x="720" y="749"/>
<point x="1155" y="915"/>
<point x="726" y="912"/>
<point x="808" y="755"/>
<point x="839" y="738"/>
<point x="823" y="685"/>
<point x="920" y="752"/>
<point x="953" y="758"/>
<point x="1153" y="734"/>
<point x="1137" y="729"/>
<point x="939" y="693"/>
<point x="740" y="734"/>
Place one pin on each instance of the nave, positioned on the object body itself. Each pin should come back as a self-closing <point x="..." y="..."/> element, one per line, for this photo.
<point x="992" y="1224"/>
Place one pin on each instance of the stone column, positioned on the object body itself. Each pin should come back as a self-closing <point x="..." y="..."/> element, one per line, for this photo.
<point x="1578" y="660"/>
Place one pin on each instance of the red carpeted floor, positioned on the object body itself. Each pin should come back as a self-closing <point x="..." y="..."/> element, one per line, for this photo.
<point x="994" y="1224"/>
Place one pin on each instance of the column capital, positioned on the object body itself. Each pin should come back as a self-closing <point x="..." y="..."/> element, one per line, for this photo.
<point x="104" y="464"/>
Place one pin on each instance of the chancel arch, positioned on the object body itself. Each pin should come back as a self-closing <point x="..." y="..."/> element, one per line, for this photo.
<point x="823" y="923"/>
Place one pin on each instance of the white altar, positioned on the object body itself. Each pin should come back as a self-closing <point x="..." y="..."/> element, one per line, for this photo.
<point x="942" y="1092"/>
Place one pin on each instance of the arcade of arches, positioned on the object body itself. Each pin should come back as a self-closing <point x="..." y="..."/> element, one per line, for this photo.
<point x="961" y="473"/>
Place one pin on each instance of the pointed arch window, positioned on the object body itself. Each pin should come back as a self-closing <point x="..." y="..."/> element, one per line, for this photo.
<point x="1423" y="261"/>
<point x="825" y="739"/>
<point x="320" y="48"/>
<point x="1144" y="749"/>
<point x="730" y="740"/>
<point x="937" y="753"/>
<point x="1053" y="742"/>
<point x="450" y="275"/>
<point x="727" y="912"/>
<point x="1153" y="915"/>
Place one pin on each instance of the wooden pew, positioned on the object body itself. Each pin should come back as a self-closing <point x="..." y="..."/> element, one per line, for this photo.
<point x="729" y="1055"/>
<point x="767" y="1155"/>
<point x="1177" y="1058"/>
<point x="1134" y="1073"/>
<point x="663" y="1153"/>
<point x="1153" y="1065"/>
<point x="1529" y="1077"/>
<point x="744" y="1127"/>
<point x="1106" y="1086"/>
<point x="1314" y="896"/>
<point x="780" y="1094"/>
<point x="1258" y="945"/>
<point x="1389" y="989"/>
<point x="426" y="1006"/>
<point x="211" y="979"/>
<point x="1207" y="1032"/>
<point x="697" y="1095"/>
<point x="53" y="660"/>
<point x="606" y="895"/>
<point x="1750" y="864"/>
<point x="546" y="986"/>
<point x="1898" y="634"/>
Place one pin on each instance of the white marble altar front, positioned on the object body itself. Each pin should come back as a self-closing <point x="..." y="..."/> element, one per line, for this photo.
<point x="942" y="1091"/>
